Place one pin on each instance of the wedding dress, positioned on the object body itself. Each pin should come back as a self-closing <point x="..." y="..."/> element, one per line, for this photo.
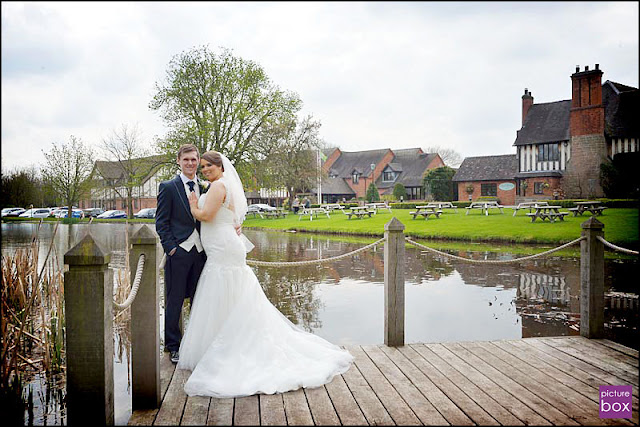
<point x="236" y="342"/>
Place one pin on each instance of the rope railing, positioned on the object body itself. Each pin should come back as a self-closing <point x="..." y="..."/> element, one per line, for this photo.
<point x="134" y="287"/>
<point x="508" y="261"/>
<point x="616" y="248"/>
<point x="315" y="261"/>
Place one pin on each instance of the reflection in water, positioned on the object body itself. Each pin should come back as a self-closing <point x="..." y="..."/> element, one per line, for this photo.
<point x="342" y="301"/>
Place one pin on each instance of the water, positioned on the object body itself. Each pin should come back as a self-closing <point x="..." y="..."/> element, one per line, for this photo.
<point x="342" y="301"/>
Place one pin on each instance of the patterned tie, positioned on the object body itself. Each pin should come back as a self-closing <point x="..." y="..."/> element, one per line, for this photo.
<point x="191" y="184"/>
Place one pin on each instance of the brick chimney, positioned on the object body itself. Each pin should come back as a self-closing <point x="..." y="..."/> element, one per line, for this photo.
<point x="527" y="102"/>
<point x="587" y="111"/>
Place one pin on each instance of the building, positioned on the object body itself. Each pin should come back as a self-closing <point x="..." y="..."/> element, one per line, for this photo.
<point x="349" y="174"/>
<point x="487" y="176"/>
<point x="561" y="144"/>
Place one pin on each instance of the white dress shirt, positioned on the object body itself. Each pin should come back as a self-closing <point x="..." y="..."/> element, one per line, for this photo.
<point x="194" y="238"/>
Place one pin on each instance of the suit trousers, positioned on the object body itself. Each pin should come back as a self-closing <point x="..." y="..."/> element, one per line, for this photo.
<point x="181" y="273"/>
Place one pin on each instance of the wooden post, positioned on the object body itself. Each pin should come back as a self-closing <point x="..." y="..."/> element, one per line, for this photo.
<point x="88" y="301"/>
<point x="394" y="283"/>
<point x="145" y="327"/>
<point x="592" y="280"/>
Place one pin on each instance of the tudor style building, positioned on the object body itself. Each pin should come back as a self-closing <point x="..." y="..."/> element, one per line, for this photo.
<point x="561" y="144"/>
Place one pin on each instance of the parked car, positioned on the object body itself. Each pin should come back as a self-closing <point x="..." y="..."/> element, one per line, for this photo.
<point x="260" y="207"/>
<point x="112" y="214"/>
<point x="93" y="212"/>
<point x="36" y="213"/>
<point x="146" y="213"/>
<point x="64" y="213"/>
<point x="12" y="211"/>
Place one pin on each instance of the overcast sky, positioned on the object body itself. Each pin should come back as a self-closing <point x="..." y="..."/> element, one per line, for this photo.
<point x="375" y="74"/>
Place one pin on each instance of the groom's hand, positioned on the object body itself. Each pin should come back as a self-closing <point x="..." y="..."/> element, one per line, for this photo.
<point x="238" y="229"/>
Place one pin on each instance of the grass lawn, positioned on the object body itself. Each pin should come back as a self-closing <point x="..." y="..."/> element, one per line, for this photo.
<point x="620" y="226"/>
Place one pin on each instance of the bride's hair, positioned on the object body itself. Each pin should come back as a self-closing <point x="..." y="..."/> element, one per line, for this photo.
<point x="214" y="157"/>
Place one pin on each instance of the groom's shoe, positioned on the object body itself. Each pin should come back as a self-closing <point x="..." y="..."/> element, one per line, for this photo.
<point x="175" y="356"/>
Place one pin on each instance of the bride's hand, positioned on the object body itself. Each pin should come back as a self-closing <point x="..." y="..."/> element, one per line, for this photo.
<point x="193" y="201"/>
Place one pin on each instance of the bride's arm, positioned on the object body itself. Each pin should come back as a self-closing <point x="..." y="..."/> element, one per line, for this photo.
<point x="215" y="197"/>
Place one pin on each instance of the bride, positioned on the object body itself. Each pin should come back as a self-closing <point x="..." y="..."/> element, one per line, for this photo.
<point x="237" y="343"/>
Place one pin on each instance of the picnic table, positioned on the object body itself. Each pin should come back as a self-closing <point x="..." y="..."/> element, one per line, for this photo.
<point x="359" y="212"/>
<point x="332" y="207"/>
<point x="547" y="212"/>
<point x="529" y="205"/>
<point x="443" y="205"/>
<point x="377" y="205"/>
<point x="311" y="212"/>
<point x="593" y="206"/>
<point x="426" y="211"/>
<point x="278" y="213"/>
<point x="484" y="206"/>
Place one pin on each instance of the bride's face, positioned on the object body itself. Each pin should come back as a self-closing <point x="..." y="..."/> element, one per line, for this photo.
<point x="210" y="171"/>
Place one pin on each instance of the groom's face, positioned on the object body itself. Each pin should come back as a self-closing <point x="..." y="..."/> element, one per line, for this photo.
<point x="188" y="163"/>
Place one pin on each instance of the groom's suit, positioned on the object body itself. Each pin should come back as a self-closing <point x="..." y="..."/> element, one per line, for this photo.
<point x="175" y="225"/>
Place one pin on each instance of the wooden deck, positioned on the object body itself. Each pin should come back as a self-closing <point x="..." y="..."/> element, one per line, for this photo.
<point x="532" y="381"/>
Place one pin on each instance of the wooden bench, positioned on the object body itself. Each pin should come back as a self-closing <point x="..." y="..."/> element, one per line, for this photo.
<point x="276" y="214"/>
<point x="552" y="216"/>
<point x="359" y="214"/>
<point x="426" y="214"/>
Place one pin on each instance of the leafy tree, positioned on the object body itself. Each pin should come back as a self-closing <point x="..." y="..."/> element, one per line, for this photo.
<point x="399" y="191"/>
<point x="619" y="176"/>
<point x="124" y="147"/>
<point x="22" y="187"/>
<point x="449" y="156"/>
<point x="372" y="194"/>
<point x="67" y="168"/>
<point x="438" y="182"/>
<point x="220" y="102"/>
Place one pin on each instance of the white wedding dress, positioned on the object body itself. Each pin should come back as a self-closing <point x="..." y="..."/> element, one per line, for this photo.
<point x="237" y="343"/>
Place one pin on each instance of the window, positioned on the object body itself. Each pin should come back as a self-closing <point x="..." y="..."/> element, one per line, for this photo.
<point x="489" y="189"/>
<point x="548" y="152"/>
<point x="388" y="176"/>
<point x="354" y="177"/>
<point x="538" y="187"/>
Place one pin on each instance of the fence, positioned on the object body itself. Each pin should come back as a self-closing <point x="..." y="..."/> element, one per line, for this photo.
<point x="89" y="307"/>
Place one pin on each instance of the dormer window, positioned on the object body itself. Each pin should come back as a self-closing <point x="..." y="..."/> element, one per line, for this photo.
<point x="388" y="176"/>
<point x="354" y="177"/>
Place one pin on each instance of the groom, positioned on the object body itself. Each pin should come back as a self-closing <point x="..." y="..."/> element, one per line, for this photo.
<point x="180" y="238"/>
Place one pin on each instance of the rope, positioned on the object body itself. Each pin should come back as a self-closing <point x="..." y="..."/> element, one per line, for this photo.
<point x="473" y="261"/>
<point x="616" y="248"/>
<point x="134" y="288"/>
<point x="315" y="261"/>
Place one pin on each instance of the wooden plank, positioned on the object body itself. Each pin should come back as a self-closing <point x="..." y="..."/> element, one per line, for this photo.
<point x="502" y="377"/>
<point x="195" y="411"/>
<point x="345" y="404"/>
<point x="321" y="407"/>
<point x="543" y="384"/>
<point x="147" y="416"/>
<point x="297" y="409"/>
<point x="442" y="373"/>
<point x="247" y="411"/>
<point x="606" y="364"/>
<point x="272" y="410"/>
<point x="604" y="377"/>
<point x="421" y="406"/>
<point x="621" y="348"/>
<point x="371" y="407"/>
<point x="220" y="412"/>
<point x="400" y="412"/>
<point x="517" y="407"/>
<point x="170" y="412"/>
<point x="405" y="357"/>
<point x="625" y="362"/>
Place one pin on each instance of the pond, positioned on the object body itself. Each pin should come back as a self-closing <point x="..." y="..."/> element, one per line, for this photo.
<point x="446" y="300"/>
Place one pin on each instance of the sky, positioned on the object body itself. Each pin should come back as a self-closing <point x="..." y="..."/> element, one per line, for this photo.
<point x="374" y="74"/>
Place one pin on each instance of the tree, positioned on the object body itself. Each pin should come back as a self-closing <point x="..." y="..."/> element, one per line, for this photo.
<point x="124" y="147"/>
<point x="288" y="156"/>
<point x="67" y="168"/>
<point x="619" y="176"/>
<point x="372" y="194"/>
<point x="219" y="102"/>
<point x="438" y="183"/>
<point x="22" y="187"/>
<point x="449" y="156"/>
<point x="399" y="192"/>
